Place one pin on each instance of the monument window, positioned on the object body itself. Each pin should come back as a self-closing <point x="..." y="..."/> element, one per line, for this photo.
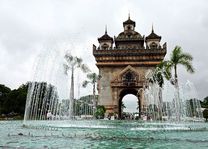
<point x="153" y="45"/>
<point x="105" y="46"/>
<point x="129" y="79"/>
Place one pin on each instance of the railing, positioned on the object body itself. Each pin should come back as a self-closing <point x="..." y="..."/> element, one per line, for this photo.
<point x="127" y="84"/>
<point x="126" y="52"/>
<point x="163" y="47"/>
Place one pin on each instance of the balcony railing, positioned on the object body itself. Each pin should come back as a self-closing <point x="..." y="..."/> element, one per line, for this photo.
<point x="127" y="84"/>
<point x="163" y="47"/>
<point x="126" y="51"/>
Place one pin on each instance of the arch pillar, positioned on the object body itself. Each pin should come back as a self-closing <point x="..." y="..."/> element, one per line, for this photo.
<point x="114" y="86"/>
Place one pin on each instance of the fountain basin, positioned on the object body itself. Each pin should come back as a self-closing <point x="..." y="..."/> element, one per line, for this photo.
<point x="103" y="134"/>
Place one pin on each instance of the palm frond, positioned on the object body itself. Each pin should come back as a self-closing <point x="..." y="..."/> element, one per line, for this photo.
<point x="167" y="74"/>
<point x="174" y="57"/>
<point x="85" y="83"/>
<point x="167" y="70"/>
<point x="84" y="68"/>
<point x="66" y="68"/>
<point x="93" y="77"/>
<point x="78" y="62"/>
<point x="157" y="76"/>
<point x="163" y="69"/>
<point x="188" y="66"/>
<point x="69" y="58"/>
<point x="186" y="56"/>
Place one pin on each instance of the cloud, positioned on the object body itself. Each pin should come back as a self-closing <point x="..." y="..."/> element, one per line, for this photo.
<point x="29" y="27"/>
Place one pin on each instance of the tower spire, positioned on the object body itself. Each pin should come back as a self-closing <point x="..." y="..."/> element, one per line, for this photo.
<point x="105" y="29"/>
<point x="129" y="15"/>
<point x="152" y="28"/>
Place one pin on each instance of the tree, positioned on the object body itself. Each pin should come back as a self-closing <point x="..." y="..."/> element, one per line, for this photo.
<point x="92" y="79"/>
<point x="14" y="101"/>
<point x="205" y="114"/>
<point x="43" y="96"/>
<point x="204" y="103"/>
<point x="162" y="71"/>
<point x="21" y="98"/>
<point x="178" y="57"/>
<point x="73" y="63"/>
<point x="4" y="91"/>
<point x="206" y="100"/>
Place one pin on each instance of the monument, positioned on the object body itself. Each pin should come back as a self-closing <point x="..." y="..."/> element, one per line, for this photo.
<point x="123" y="62"/>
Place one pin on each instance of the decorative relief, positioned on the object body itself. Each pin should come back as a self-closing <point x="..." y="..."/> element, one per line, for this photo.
<point x="128" y="77"/>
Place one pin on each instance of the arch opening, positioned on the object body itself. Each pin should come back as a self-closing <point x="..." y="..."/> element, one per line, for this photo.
<point x="129" y="104"/>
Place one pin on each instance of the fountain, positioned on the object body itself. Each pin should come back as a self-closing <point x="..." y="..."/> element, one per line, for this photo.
<point x="48" y="92"/>
<point x="162" y="102"/>
<point x="48" y="123"/>
<point x="48" y="103"/>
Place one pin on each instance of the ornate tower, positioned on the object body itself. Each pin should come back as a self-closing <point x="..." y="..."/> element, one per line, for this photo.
<point x="106" y="42"/>
<point x="153" y="40"/>
<point x="123" y="67"/>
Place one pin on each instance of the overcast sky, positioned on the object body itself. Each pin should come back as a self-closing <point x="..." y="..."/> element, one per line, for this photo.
<point x="28" y="27"/>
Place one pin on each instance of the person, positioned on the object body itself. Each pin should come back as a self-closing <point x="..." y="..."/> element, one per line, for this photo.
<point x="49" y="115"/>
<point x="116" y="116"/>
<point x="109" y="116"/>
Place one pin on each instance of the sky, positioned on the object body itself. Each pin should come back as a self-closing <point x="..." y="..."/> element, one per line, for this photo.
<point x="131" y="103"/>
<point x="28" y="28"/>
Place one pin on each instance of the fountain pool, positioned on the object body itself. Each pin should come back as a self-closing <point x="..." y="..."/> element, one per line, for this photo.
<point x="103" y="134"/>
<point x="48" y="94"/>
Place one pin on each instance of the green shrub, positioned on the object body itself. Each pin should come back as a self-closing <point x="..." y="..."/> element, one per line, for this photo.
<point x="100" y="112"/>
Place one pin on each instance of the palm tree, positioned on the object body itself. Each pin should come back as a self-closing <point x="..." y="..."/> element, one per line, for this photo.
<point x="92" y="79"/>
<point x="162" y="70"/>
<point x="184" y="59"/>
<point x="73" y="63"/>
<point x="180" y="58"/>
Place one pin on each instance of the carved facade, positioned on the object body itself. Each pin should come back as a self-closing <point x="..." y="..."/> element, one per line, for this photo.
<point x="123" y="63"/>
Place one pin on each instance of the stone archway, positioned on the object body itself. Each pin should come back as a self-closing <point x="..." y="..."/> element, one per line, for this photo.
<point x="125" y="92"/>
<point x="125" y="65"/>
<point x="126" y="81"/>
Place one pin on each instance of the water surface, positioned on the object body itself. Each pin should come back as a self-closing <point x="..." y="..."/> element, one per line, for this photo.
<point x="102" y="134"/>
